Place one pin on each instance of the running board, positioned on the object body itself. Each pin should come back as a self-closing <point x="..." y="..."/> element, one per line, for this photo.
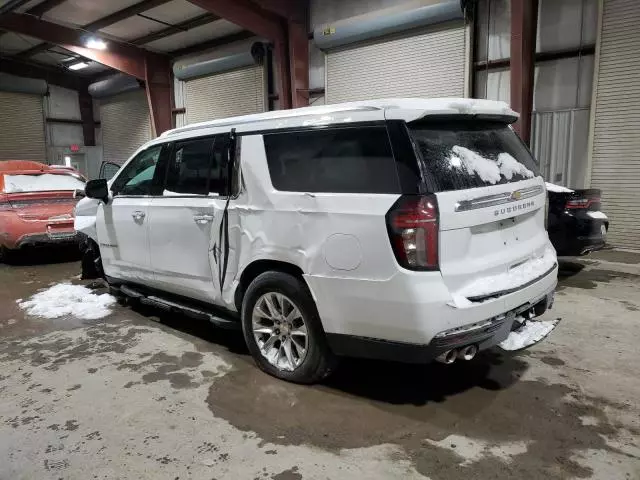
<point x="171" y="305"/>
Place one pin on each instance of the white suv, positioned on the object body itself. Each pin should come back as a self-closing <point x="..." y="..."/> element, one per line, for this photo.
<point x="402" y="229"/>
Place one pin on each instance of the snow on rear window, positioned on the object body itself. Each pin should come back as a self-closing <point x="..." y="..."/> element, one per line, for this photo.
<point x="41" y="183"/>
<point x="461" y="154"/>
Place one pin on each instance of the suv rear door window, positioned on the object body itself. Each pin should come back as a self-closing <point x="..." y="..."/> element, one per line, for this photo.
<point x="194" y="169"/>
<point x="333" y="160"/>
<point x="461" y="154"/>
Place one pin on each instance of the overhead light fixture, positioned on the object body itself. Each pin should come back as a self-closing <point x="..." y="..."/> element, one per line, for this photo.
<point x="96" y="44"/>
<point x="78" y="66"/>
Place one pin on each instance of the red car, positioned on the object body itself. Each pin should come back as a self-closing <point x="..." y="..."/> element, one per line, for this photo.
<point x="36" y="204"/>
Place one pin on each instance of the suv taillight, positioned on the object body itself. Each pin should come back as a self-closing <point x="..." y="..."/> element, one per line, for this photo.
<point x="413" y="230"/>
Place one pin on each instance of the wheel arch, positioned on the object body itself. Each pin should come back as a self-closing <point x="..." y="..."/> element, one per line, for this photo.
<point x="257" y="267"/>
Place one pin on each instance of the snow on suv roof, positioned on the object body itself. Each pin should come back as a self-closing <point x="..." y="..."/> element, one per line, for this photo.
<point x="407" y="109"/>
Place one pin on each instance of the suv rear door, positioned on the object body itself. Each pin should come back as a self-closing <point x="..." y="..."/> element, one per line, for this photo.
<point x="491" y="205"/>
<point x="185" y="218"/>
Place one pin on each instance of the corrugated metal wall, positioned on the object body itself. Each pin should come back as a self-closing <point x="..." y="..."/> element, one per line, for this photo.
<point x="125" y="123"/>
<point x="616" y="135"/>
<point x="558" y="143"/>
<point x="238" y="92"/>
<point x="21" y="127"/>
<point x="425" y="64"/>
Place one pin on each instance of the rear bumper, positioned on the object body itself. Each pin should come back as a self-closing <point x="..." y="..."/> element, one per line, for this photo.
<point x="17" y="233"/>
<point x="412" y="310"/>
<point x="43" y="239"/>
<point x="484" y="335"/>
<point x="573" y="234"/>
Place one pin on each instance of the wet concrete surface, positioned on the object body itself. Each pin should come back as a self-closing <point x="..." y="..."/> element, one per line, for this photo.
<point x="142" y="394"/>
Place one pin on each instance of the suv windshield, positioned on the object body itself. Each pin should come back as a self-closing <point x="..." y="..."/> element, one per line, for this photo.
<point x="461" y="154"/>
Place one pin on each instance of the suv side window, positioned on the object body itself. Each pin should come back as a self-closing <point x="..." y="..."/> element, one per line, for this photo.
<point x="137" y="176"/>
<point x="195" y="167"/>
<point x="333" y="160"/>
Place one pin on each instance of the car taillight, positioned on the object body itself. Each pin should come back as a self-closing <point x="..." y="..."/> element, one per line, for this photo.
<point x="413" y="230"/>
<point x="581" y="202"/>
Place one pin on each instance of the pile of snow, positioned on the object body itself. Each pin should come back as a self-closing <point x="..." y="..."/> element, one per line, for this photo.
<point x="514" y="278"/>
<point x="529" y="334"/>
<point x="66" y="299"/>
<point x="490" y="171"/>
<point x="41" y="183"/>
<point x="552" y="187"/>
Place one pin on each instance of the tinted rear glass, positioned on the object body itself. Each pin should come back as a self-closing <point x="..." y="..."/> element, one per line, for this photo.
<point x="334" y="160"/>
<point x="471" y="153"/>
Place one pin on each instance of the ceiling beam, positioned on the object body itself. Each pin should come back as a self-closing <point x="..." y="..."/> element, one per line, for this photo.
<point x="44" y="7"/>
<point x="102" y="22"/>
<point x="122" y="57"/>
<point x="294" y="10"/>
<point x="211" y="44"/>
<point x="246" y="14"/>
<point x="124" y="14"/>
<point x="11" y="5"/>
<point x="54" y="76"/>
<point x="198" y="21"/>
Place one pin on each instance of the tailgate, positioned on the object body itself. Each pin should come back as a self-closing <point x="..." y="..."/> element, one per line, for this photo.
<point x="493" y="239"/>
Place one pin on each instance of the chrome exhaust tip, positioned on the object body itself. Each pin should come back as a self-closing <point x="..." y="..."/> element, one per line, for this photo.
<point x="447" y="357"/>
<point x="468" y="352"/>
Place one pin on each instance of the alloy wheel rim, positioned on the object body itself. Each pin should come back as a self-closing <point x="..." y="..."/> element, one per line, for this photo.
<point x="280" y="331"/>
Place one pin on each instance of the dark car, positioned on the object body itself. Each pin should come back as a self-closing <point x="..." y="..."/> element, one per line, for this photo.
<point x="576" y="223"/>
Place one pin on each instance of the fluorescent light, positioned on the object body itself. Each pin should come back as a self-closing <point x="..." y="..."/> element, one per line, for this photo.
<point x="96" y="43"/>
<point x="78" y="66"/>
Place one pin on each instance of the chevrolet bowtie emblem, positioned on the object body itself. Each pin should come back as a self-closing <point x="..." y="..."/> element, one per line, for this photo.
<point x="516" y="195"/>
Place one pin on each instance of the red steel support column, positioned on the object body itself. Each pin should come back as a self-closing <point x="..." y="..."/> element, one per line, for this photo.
<point x="86" y="115"/>
<point x="299" y="63"/>
<point x="159" y="89"/>
<point x="524" y="21"/>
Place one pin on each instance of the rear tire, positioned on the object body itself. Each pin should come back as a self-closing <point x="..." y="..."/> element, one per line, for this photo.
<point x="290" y="344"/>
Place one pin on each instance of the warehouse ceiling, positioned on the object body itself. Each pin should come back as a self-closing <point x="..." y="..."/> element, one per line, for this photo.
<point x="173" y="27"/>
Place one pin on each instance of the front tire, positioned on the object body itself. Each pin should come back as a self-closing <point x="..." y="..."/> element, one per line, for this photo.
<point x="283" y="331"/>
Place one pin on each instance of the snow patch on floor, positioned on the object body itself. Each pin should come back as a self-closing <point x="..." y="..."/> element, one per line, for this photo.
<point x="514" y="278"/>
<point x="473" y="450"/>
<point x="528" y="334"/>
<point x="66" y="299"/>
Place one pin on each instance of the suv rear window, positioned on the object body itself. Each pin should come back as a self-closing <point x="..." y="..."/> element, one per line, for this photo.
<point x="333" y="160"/>
<point x="461" y="154"/>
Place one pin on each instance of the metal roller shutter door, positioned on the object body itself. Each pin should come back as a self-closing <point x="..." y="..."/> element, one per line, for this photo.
<point x="428" y="63"/>
<point x="616" y="135"/>
<point x="125" y="123"/>
<point x="21" y="127"/>
<point x="239" y="92"/>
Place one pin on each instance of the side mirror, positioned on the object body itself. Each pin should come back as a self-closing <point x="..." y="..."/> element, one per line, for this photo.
<point x="97" y="189"/>
<point x="78" y="193"/>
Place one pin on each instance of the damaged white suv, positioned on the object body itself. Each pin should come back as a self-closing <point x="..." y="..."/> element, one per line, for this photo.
<point x="401" y="229"/>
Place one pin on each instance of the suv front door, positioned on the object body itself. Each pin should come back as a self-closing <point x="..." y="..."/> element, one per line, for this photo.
<point x="184" y="220"/>
<point x="122" y="223"/>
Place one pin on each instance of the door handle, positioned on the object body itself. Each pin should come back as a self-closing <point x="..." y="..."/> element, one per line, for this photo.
<point x="138" y="215"/>
<point x="202" y="219"/>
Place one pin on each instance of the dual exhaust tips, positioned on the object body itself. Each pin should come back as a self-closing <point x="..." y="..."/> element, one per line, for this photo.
<point x="464" y="353"/>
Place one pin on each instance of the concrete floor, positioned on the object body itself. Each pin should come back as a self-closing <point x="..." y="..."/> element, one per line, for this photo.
<point x="136" y="396"/>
